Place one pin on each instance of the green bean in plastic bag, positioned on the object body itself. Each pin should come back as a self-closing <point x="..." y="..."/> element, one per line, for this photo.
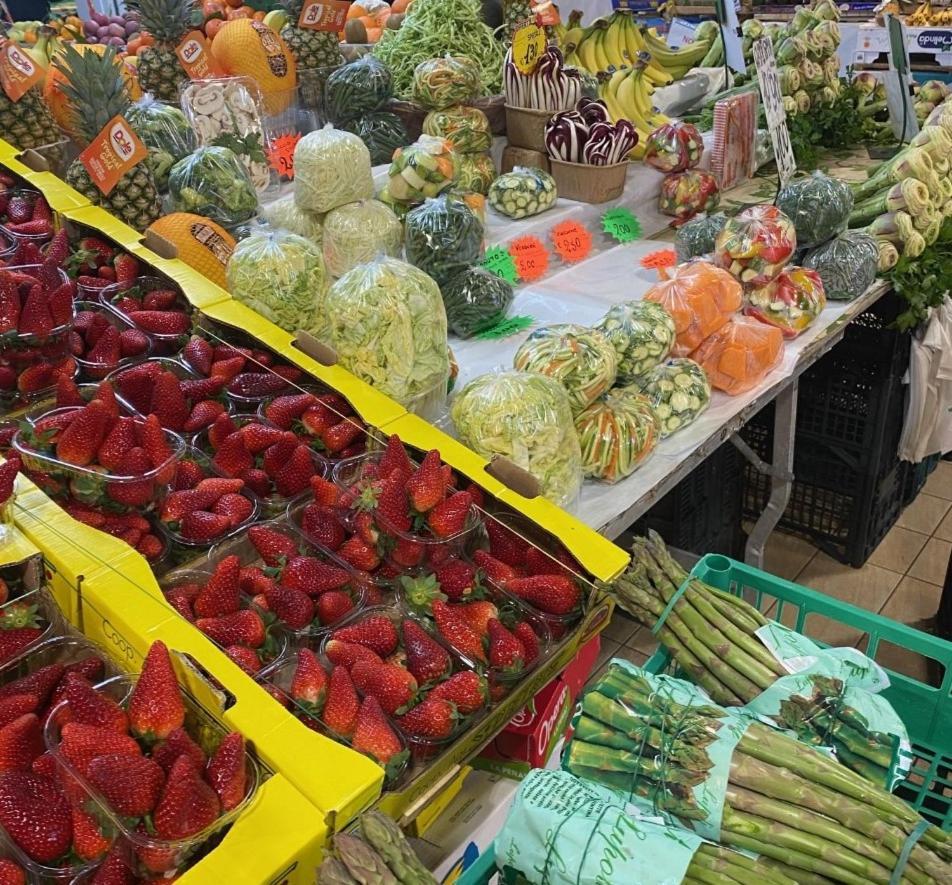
<point x="581" y="359"/>
<point x="528" y="419"/>
<point x="357" y="88"/>
<point x="477" y="172"/>
<point x="617" y="434"/>
<point x="212" y="181"/>
<point x="381" y="131"/>
<point x="679" y="392"/>
<point x="441" y="82"/>
<point x="642" y="333"/>
<point x="697" y="236"/>
<point x="818" y="206"/>
<point x="387" y="323"/>
<point x="331" y="167"/>
<point x="466" y="128"/>
<point x="443" y="236"/>
<point x="356" y="232"/>
<point x="475" y="299"/>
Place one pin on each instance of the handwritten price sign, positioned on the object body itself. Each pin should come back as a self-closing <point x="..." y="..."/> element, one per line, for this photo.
<point x="528" y="44"/>
<point x="530" y="257"/>
<point x="572" y="241"/>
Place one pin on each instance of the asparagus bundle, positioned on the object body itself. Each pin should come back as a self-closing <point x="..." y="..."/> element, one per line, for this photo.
<point x="654" y="741"/>
<point x="711" y="636"/>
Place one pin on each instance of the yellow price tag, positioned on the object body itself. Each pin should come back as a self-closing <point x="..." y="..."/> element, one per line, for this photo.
<point x="528" y="44"/>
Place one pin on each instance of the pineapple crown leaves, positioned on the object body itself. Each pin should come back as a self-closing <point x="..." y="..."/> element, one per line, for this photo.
<point x="95" y="90"/>
<point x="166" y="20"/>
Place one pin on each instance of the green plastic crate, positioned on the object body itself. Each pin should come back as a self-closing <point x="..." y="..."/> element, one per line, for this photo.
<point x="925" y="709"/>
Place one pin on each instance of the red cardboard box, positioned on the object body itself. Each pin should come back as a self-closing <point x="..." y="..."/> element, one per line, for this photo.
<point x="529" y="738"/>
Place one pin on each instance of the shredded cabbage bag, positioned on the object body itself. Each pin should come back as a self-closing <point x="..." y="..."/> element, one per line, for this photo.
<point x="441" y="82"/>
<point x="679" y="391"/>
<point x="642" y="333"/>
<point x="617" y="433"/>
<point x="443" y="236"/>
<point x="331" y="167"/>
<point x="847" y="264"/>
<point x="696" y="237"/>
<point x="356" y="88"/>
<point x="466" y="128"/>
<point x="475" y="299"/>
<point x="583" y="360"/>
<point x="356" y="232"/>
<point x="285" y="213"/>
<point x="526" y="418"/>
<point x="387" y="323"/>
<point x="212" y="181"/>
<point x="382" y="132"/>
<point x="280" y="275"/>
<point x="818" y="206"/>
<point x="477" y="172"/>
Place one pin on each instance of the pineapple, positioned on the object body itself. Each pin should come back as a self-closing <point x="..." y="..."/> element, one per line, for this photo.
<point x="159" y="69"/>
<point x="28" y="123"/>
<point x="311" y="49"/>
<point x="96" y="92"/>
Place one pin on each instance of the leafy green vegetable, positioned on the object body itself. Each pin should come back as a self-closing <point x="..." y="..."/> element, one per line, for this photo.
<point x="924" y="282"/>
<point x="165" y="131"/>
<point x="211" y="181"/>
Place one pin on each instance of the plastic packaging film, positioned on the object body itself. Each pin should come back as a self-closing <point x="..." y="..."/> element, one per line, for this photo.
<point x="617" y="433"/>
<point x="441" y="82"/>
<point x="679" y="392"/>
<point x="443" y="236"/>
<point x="331" y="168"/>
<point x="356" y="232"/>
<point x="642" y="333"/>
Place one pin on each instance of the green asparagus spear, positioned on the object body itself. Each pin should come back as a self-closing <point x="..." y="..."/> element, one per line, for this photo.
<point x="721" y="864"/>
<point x="362" y="862"/>
<point x="655" y="769"/>
<point x="384" y="835"/>
<point x="333" y="872"/>
<point x="801" y="877"/>
<point x="672" y="800"/>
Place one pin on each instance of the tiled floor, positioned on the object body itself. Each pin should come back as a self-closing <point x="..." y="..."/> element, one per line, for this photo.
<point x="901" y="580"/>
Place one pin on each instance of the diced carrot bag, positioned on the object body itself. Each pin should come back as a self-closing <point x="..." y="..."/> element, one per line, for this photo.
<point x="739" y="355"/>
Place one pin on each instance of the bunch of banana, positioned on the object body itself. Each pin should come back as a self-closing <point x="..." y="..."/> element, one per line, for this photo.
<point x="614" y="43"/>
<point x="69" y="28"/>
<point x="627" y="95"/>
<point x="572" y="27"/>
<point x="925" y="16"/>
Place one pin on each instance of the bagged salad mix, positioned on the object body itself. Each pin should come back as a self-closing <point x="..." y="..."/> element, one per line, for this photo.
<point x="466" y="128"/>
<point x="356" y="232"/>
<point x="477" y="172"/>
<point x="674" y="147"/>
<point x="284" y="212"/>
<point x="684" y="194"/>
<point x="443" y="236"/>
<point x="617" y="433"/>
<point x="423" y="169"/>
<point x="523" y="192"/>
<point x="679" y="392"/>
<point x="528" y="419"/>
<point x="756" y="244"/>
<point x="642" y="333"/>
<point x="165" y="131"/>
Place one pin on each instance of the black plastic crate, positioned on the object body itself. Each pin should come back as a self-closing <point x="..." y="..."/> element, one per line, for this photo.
<point x="703" y="512"/>
<point x="915" y="476"/>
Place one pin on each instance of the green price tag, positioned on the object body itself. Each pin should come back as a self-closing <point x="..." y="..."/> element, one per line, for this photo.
<point x="621" y="224"/>
<point x="499" y="262"/>
<point x="505" y="328"/>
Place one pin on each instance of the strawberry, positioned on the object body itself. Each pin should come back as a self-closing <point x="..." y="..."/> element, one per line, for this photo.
<point x="343" y="434"/>
<point x="159" y="299"/>
<point x="232" y="456"/>
<point x="35" y="317"/>
<point x="322" y="526"/>
<point x="196" y="389"/>
<point x="392" y="503"/>
<point x="227" y="369"/>
<point x="57" y="250"/>
<point x="506" y="652"/>
<point x="477" y="614"/>
<point x="89" y="843"/>
<point x="259" y="437"/>
<point x="178" y="504"/>
<point x="36" y="815"/>
<point x="294" y="608"/>
<point x="434" y="719"/>
<point x="133" y="342"/>
<point x="457" y="578"/>
<point x="200" y="525"/>
<point x="392" y="685"/>
<point x="126" y="268"/>
<point x="79" y="443"/>
<point x="257" y="384"/>
<point x="341" y="705"/>
<point x="150" y="547"/>
<point x="182" y="604"/>
<point x="427" y="660"/>
<point x="188" y="474"/>
<point x="227" y="771"/>
<point x="19" y="209"/>
<point x="105" y="353"/>
<point x="309" y="683"/>
<point x="505" y="545"/>
<point x="254" y="581"/>
<point x="135" y="462"/>
<point x="376" y="632"/>
<point x="219" y="486"/>
<point x="539" y="562"/>
<point x="39" y="228"/>
<point x="495" y="570"/>
<point x="318" y="418"/>
<point x="555" y="594"/>
<point x="246" y="658"/>
<point x="130" y="784"/>
<point x="8" y="476"/>
<point x="187" y="805"/>
<point x="324" y="491"/>
<point x="365" y="527"/>
<point x="199" y="353"/>
<point x="375" y="736"/>
<point x="168" y="402"/>
<point x="332" y="606"/>
<point x="278" y="454"/>
<point x="91" y="707"/>
<point x="39" y="683"/>
<point x="420" y="592"/>
<point x="313" y="576"/>
<point x="395" y="458"/>
<point x="455" y="630"/>
<point x="530" y="642"/>
<point x="427" y="487"/>
<point x="153" y="439"/>
<point x="80" y="744"/>
<point x="346" y="654"/>
<point x="221" y="594"/>
<point x="160" y="322"/>
<point x="11" y="873"/>
<point x="41" y="211"/>
<point x="273" y="547"/>
<point x="118" y="441"/>
<point x="61" y="302"/>
<point x="9" y="305"/>
<point x="178" y="743"/>
<point x="16" y="705"/>
<point x="243" y="627"/>
<point x="202" y="415"/>
<point x="283" y="411"/>
<point x="156" y="706"/>
<point x="67" y="393"/>
<point x="295" y="476"/>
<point x="234" y="507"/>
<point x="449" y="517"/>
<point x="467" y="690"/>
<point x="21" y="741"/>
<point x="222" y="427"/>
<point x="356" y="552"/>
<point x="408" y="552"/>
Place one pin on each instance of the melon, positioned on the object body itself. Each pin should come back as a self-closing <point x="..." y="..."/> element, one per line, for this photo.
<point x="201" y="243"/>
<point x="248" y="48"/>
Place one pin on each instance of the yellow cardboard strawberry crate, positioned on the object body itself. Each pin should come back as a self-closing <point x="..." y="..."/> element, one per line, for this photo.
<point x="35" y="169"/>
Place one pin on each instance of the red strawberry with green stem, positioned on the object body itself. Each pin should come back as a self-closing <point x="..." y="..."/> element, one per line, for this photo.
<point x="130" y="784"/>
<point x="506" y="652"/>
<point x="376" y="632"/>
<point x="449" y="517"/>
<point x="433" y="719"/>
<point x="375" y="736"/>
<point x="555" y="594"/>
<point x="390" y="684"/>
<point x="221" y="594"/>
<point x="427" y="660"/>
<point x="273" y="547"/>
<point x="427" y="487"/>
<point x="187" y="805"/>
<point x="467" y="689"/>
<point x="155" y="706"/>
<point x="244" y="627"/>
<point x="341" y="705"/>
<point x="36" y="815"/>
<point x="292" y="607"/>
<point x="178" y="743"/>
<point x="346" y="654"/>
<point x="309" y="683"/>
<point x="227" y="771"/>
<point x="458" y="633"/>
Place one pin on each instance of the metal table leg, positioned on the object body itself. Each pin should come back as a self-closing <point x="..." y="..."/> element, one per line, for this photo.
<point x="780" y="471"/>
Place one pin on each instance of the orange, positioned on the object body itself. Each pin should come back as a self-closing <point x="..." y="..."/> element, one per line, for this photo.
<point x="248" y="48"/>
<point x="211" y="8"/>
<point x="240" y="12"/>
<point x="356" y="11"/>
<point x="213" y="26"/>
<point x="201" y="244"/>
<point x="381" y="16"/>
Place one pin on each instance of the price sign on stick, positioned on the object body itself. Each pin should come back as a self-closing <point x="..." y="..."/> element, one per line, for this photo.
<point x="18" y="73"/>
<point x="773" y="108"/>
<point x="898" y="83"/>
<point x="528" y="44"/>
<point x="499" y="262"/>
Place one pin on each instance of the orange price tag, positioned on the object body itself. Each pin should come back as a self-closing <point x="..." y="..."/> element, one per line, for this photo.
<point x="324" y="15"/>
<point x="196" y="58"/>
<point x="659" y="259"/>
<point x="112" y="153"/>
<point x="281" y="154"/>
<point x="18" y="72"/>
<point x="572" y="241"/>
<point x="530" y="257"/>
